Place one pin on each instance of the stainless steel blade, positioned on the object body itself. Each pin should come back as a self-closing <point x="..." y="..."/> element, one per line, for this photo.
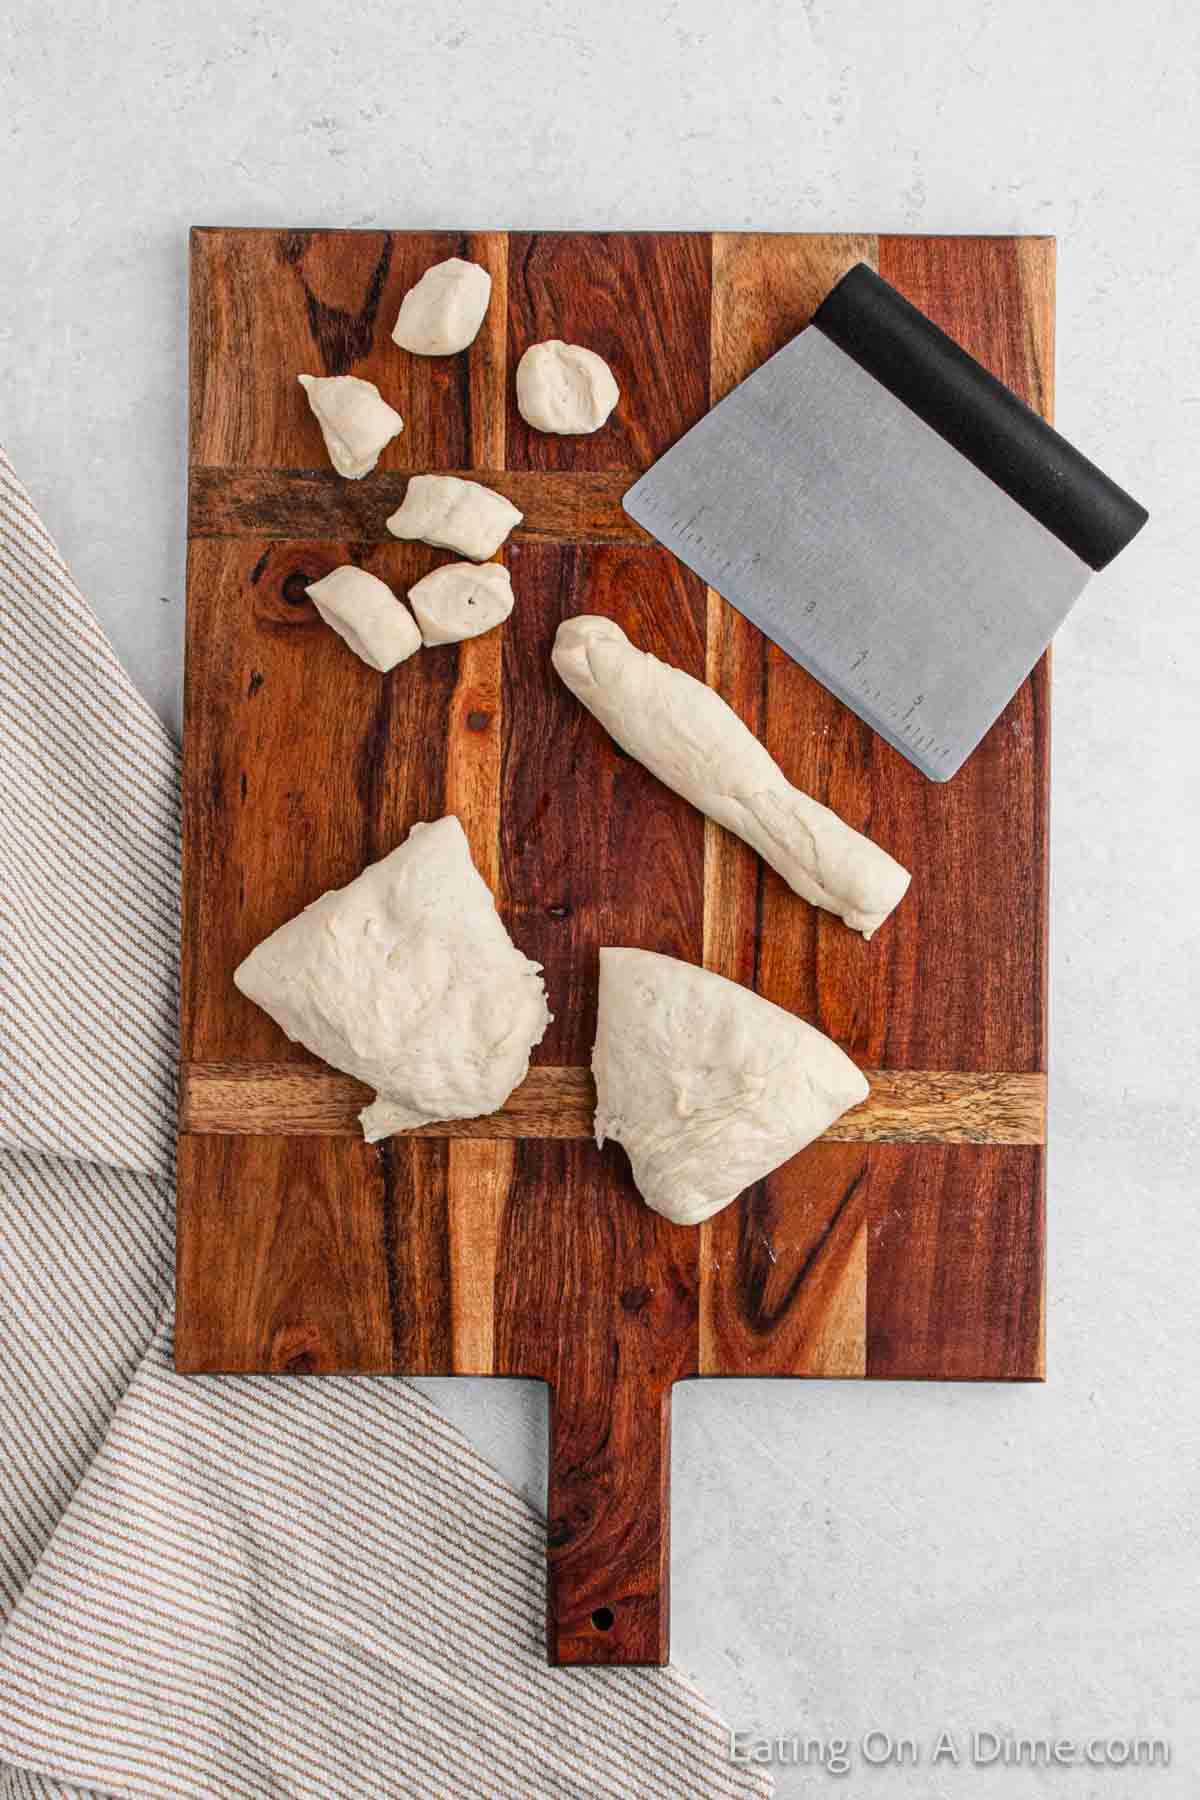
<point x="866" y="547"/>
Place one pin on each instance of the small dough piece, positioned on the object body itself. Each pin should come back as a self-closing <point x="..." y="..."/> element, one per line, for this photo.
<point x="564" y="388"/>
<point x="407" y="980"/>
<point x="443" y="312"/>
<point x="707" y="1085"/>
<point x="461" y="600"/>
<point x="363" y="610"/>
<point x="455" y="515"/>
<point x="356" y="421"/>
<point x="687" y="736"/>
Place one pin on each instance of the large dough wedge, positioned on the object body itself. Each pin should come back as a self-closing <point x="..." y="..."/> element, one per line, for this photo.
<point x="408" y="980"/>
<point x="707" y="1085"/>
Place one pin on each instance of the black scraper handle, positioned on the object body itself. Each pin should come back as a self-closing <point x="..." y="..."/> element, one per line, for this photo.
<point x="1008" y="442"/>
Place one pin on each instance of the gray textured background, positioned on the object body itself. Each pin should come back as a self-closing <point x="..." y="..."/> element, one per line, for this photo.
<point x="904" y="1557"/>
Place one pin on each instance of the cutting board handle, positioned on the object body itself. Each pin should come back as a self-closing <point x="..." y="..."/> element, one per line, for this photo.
<point x="608" y="1522"/>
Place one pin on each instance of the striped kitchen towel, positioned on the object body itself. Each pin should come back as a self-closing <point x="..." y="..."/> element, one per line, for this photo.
<point x="223" y="1586"/>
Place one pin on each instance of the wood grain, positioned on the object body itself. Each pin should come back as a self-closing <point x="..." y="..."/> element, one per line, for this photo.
<point x="283" y="1256"/>
<point x="905" y="1106"/>
<point x="784" y="1266"/>
<point x="415" y="1208"/>
<point x="955" y="1264"/>
<point x="633" y="1333"/>
<point x="266" y="306"/>
<point x="984" y="916"/>
<point x="560" y="506"/>
<point x="487" y="359"/>
<point x="294" y="782"/>
<point x="479" y="1178"/>
<point x="908" y="1242"/>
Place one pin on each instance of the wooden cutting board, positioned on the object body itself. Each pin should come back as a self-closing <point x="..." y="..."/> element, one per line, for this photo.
<point x="909" y="1242"/>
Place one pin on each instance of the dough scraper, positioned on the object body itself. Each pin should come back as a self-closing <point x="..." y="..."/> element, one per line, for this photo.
<point x="892" y="516"/>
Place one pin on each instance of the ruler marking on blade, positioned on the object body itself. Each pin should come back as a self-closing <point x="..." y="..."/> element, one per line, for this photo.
<point x="784" y="625"/>
<point x="839" y="523"/>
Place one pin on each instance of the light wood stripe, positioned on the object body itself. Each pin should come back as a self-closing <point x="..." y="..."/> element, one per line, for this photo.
<point x="479" y="1170"/>
<point x="838" y="1348"/>
<point x="487" y="361"/>
<point x="473" y="738"/>
<point x="766" y="287"/>
<point x="311" y="505"/>
<point x="478" y="1177"/>
<point x="905" y="1106"/>
<point x="764" y="290"/>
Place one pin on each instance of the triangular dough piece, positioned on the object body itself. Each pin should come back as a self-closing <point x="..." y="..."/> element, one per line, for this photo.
<point x="707" y="1085"/>
<point x="408" y="980"/>
<point x="355" y="419"/>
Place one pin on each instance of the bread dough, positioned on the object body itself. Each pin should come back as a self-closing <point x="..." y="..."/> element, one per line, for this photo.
<point x="455" y="515"/>
<point x="356" y="421"/>
<point x="564" y="388"/>
<point x="461" y="600"/>
<point x="707" y="1085"/>
<point x="363" y="610"/>
<point x="687" y="736"/>
<point x="443" y="312"/>
<point x="407" y="980"/>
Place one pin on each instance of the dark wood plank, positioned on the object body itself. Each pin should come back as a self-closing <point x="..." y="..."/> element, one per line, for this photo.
<point x="955" y="1263"/>
<point x="765" y="290"/>
<point x="312" y="1256"/>
<point x="560" y="506"/>
<point x="478" y="1177"/>
<point x="295" y="775"/>
<point x="283" y="1257"/>
<point x="598" y="1296"/>
<point x="267" y="306"/>
<point x="595" y="851"/>
<point x="985" y="832"/>
<point x="975" y="862"/>
<point x="641" y="301"/>
<point x="963" y="981"/>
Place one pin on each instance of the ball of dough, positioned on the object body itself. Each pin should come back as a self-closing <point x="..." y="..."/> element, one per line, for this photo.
<point x="443" y="312"/>
<point x="460" y="600"/>
<point x="364" y="611"/>
<point x="356" y="421"/>
<point x="453" y="514"/>
<point x="564" y="388"/>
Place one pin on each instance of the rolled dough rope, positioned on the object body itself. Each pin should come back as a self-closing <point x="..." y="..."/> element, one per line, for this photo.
<point x="686" y="735"/>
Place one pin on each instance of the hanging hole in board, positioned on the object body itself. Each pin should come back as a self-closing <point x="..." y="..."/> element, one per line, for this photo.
<point x="602" y="1618"/>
